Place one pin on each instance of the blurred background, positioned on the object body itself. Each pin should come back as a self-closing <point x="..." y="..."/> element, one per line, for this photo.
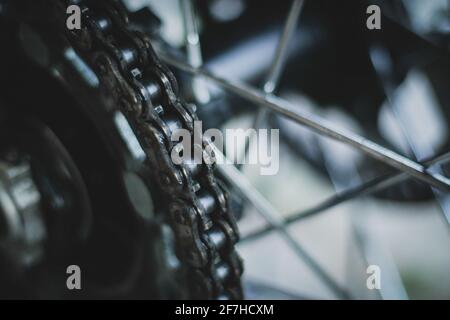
<point x="389" y="85"/>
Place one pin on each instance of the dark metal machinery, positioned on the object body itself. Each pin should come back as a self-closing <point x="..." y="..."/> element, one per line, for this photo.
<point x="86" y="118"/>
<point x="112" y="107"/>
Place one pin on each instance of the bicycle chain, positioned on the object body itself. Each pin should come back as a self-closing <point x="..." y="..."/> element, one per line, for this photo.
<point x="146" y="92"/>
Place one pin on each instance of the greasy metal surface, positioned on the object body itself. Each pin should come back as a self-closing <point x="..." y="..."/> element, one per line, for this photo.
<point x="133" y="80"/>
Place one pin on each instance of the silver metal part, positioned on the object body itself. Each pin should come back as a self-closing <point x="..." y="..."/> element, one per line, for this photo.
<point x="319" y="125"/>
<point x="22" y="227"/>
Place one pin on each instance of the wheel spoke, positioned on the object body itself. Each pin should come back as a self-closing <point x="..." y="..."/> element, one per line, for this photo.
<point x="193" y="49"/>
<point x="364" y="189"/>
<point x="279" y="60"/>
<point x="386" y="79"/>
<point x="278" y="64"/>
<point x="240" y="183"/>
<point x="319" y="125"/>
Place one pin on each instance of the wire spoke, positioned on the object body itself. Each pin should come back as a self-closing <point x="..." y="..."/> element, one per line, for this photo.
<point x="266" y="102"/>
<point x="319" y="125"/>
<point x="277" y="66"/>
<point x="386" y="79"/>
<point x="279" y="60"/>
<point x="240" y="183"/>
<point x="193" y="49"/>
<point x="364" y="189"/>
<point x="238" y="180"/>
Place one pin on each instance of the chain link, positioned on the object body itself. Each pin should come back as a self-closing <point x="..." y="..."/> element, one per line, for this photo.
<point x="134" y="80"/>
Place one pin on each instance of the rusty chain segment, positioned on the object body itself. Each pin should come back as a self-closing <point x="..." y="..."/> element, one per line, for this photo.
<point x="134" y="81"/>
